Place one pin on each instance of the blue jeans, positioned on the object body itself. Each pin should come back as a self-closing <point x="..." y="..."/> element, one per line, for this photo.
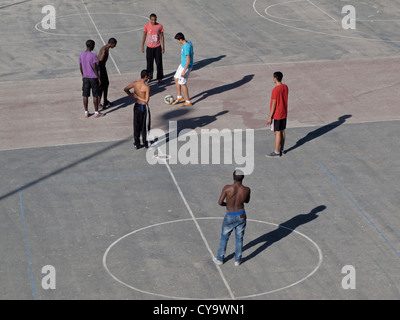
<point x="230" y="223"/>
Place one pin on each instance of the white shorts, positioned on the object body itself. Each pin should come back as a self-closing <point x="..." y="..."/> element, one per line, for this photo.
<point x="178" y="73"/>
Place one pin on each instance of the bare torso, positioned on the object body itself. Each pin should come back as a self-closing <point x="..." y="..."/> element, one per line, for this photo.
<point x="236" y="196"/>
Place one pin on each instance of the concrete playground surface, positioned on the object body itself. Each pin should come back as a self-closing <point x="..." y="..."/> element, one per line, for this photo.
<point x="78" y="202"/>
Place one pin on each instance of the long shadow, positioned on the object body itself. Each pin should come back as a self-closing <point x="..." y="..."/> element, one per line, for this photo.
<point x="120" y="103"/>
<point x="282" y="231"/>
<point x="320" y="131"/>
<point x="207" y="93"/>
<point x="14" y="4"/>
<point x="156" y="87"/>
<point x="60" y="170"/>
<point x="190" y="123"/>
<point x="168" y="79"/>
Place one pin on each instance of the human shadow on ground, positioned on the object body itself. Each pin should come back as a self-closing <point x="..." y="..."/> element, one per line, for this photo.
<point x="282" y="231"/>
<point x="185" y="124"/>
<point x="226" y="87"/>
<point x="155" y="87"/>
<point x="118" y="104"/>
<point x="319" y="132"/>
<point x="168" y="80"/>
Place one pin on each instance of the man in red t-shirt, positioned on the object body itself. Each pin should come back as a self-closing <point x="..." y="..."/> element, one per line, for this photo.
<point x="278" y="114"/>
<point x="154" y="32"/>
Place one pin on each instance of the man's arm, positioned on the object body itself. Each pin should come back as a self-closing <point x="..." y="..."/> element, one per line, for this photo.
<point x="186" y="66"/>
<point x="128" y="92"/>
<point x="101" y="54"/>
<point x="144" y="40"/>
<point x="222" y="197"/>
<point x="80" y="67"/>
<point x="95" y="71"/>
<point x="248" y="196"/>
<point x="162" y="42"/>
<point x="272" y="111"/>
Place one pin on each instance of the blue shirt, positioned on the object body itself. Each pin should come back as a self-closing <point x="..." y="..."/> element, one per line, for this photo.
<point x="187" y="50"/>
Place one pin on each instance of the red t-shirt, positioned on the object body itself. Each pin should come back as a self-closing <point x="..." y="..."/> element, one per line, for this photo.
<point x="280" y="93"/>
<point x="153" y="34"/>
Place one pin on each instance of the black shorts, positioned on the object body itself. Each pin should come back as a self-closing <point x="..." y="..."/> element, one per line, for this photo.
<point x="279" y="125"/>
<point x="90" y="83"/>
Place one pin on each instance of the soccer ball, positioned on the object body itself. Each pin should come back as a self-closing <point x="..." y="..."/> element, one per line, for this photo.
<point x="168" y="99"/>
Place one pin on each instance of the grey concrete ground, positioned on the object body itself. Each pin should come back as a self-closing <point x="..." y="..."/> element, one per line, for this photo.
<point x="76" y="196"/>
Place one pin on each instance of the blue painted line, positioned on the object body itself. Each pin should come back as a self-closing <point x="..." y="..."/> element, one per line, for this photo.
<point x="358" y="208"/>
<point x="28" y="251"/>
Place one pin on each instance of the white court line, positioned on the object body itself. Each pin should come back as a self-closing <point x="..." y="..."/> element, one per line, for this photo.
<point x="321" y="10"/>
<point x="119" y="72"/>
<point x="197" y="225"/>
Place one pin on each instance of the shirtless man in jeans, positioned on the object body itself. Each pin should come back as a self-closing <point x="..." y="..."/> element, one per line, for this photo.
<point x="233" y="197"/>
<point x="141" y="110"/>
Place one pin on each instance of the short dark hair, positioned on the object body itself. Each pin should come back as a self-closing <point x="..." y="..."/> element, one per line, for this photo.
<point x="144" y="73"/>
<point x="238" y="175"/>
<point x="153" y="15"/>
<point x="179" y="36"/>
<point x="112" y="41"/>
<point x="90" y="44"/>
<point x="278" y="75"/>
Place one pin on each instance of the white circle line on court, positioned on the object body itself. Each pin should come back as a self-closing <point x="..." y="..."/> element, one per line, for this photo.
<point x="84" y="14"/>
<point x="282" y="18"/>
<point x="320" y="258"/>
<point x="321" y="32"/>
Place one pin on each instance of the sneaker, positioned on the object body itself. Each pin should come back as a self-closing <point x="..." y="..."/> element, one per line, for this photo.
<point x="107" y="104"/>
<point x="237" y="263"/>
<point x="178" y="100"/>
<point x="273" y="155"/>
<point x="99" y="115"/>
<point x="87" y="115"/>
<point x="283" y="152"/>
<point x="217" y="262"/>
<point x="187" y="104"/>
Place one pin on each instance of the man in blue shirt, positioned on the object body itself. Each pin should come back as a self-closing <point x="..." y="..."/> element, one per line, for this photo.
<point x="182" y="74"/>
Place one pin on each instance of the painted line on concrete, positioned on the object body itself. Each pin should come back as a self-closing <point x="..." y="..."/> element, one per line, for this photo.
<point x="358" y="208"/>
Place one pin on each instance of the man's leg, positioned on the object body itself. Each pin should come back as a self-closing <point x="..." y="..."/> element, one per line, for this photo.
<point x="145" y="125"/>
<point x="104" y="87"/>
<point x="185" y="92"/>
<point x="150" y="61"/>
<point x="96" y="103"/>
<point x="159" y="63"/>
<point x="85" y="103"/>
<point x="278" y="139"/>
<point x="178" y="88"/>
<point x="239" y="233"/>
<point x="225" y="234"/>
<point x="283" y="138"/>
<point x="136" y="126"/>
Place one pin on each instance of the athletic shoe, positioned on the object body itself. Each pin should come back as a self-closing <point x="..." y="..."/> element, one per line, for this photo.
<point x="178" y="100"/>
<point x="237" y="263"/>
<point x="136" y="146"/>
<point x="99" y="115"/>
<point x="273" y="155"/>
<point x="187" y="104"/>
<point x="87" y="115"/>
<point x="217" y="262"/>
<point x="283" y="152"/>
